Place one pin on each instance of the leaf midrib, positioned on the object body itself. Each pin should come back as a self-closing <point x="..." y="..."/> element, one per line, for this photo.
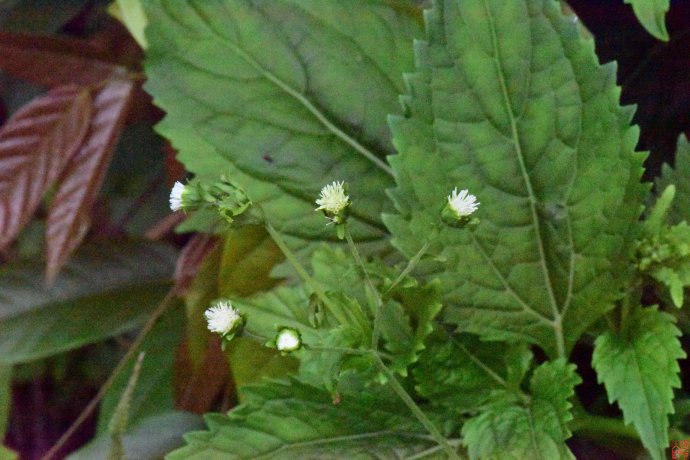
<point x="496" y="57"/>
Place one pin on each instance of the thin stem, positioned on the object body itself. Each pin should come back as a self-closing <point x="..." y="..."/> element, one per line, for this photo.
<point x="410" y="266"/>
<point x="349" y="351"/>
<point x="302" y="272"/>
<point x="414" y="408"/>
<point x="93" y="404"/>
<point x="376" y="334"/>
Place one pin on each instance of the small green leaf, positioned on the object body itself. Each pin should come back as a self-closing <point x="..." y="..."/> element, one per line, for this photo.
<point x="510" y="102"/>
<point x="639" y="367"/>
<point x="528" y="429"/>
<point x="679" y="176"/>
<point x="103" y="291"/>
<point x="291" y="421"/>
<point x="652" y="15"/>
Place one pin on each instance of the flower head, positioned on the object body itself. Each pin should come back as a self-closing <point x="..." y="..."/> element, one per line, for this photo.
<point x="460" y="206"/>
<point x="223" y="318"/>
<point x="462" y="202"/>
<point x="176" y="196"/>
<point x="334" y="201"/>
<point x="288" y="339"/>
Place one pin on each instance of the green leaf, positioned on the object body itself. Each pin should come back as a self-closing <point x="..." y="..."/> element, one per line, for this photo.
<point x="153" y="393"/>
<point x="639" y="367"/>
<point x="151" y="439"/>
<point x="270" y="87"/>
<point x="5" y="398"/>
<point x="679" y="176"/>
<point x="289" y="421"/>
<point x="652" y="15"/>
<point x="462" y="374"/>
<point x="7" y="454"/>
<point x="103" y="291"/>
<point x="535" y="428"/>
<point x="251" y="362"/>
<point x="510" y="102"/>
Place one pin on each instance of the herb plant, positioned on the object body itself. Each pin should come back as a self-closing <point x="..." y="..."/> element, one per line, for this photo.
<point x="421" y="215"/>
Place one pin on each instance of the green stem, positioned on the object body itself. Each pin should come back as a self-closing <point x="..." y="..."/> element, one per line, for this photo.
<point x="410" y="266"/>
<point x="602" y="428"/>
<point x="302" y="272"/>
<point x="415" y="409"/>
<point x="378" y="304"/>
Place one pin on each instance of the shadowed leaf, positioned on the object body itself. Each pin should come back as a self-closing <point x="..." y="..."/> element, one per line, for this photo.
<point x="53" y="61"/>
<point x="35" y="145"/>
<point x="191" y="258"/>
<point x="68" y="218"/>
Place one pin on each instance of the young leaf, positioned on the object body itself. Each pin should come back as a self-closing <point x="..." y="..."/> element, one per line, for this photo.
<point x="510" y="102"/>
<point x="639" y="367"/>
<point x="270" y="86"/>
<point x="534" y="429"/>
<point x="103" y="291"/>
<point x="288" y="421"/>
<point x="679" y="176"/>
<point x="652" y="15"/>
<point x="35" y="145"/>
<point x="69" y="214"/>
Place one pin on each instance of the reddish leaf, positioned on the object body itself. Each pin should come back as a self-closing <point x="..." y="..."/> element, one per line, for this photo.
<point x="36" y="144"/>
<point x="190" y="259"/>
<point x="196" y="390"/>
<point x="69" y="215"/>
<point x="53" y="61"/>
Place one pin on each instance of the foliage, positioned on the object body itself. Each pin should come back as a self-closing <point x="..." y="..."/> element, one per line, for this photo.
<point x="651" y="14"/>
<point x="496" y="232"/>
<point x="638" y="365"/>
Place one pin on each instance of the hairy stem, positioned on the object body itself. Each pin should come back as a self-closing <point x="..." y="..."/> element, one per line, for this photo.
<point x="302" y="272"/>
<point x="415" y="409"/>
<point x="410" y="266"/>
<point x="378" y="304"/>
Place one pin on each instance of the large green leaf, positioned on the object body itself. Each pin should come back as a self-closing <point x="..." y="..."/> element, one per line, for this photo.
<point x="639" y="367"/>
<point x="534" y="428"/>
<point x="652" y="15"/>
<point x="104" y="291"/>
<point x="281" y="421"/>
<point x="284" y="96"/>
<point x="679" y="176"/>
<point x="509" y="102"/>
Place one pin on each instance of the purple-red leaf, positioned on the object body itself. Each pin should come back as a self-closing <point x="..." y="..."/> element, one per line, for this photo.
<point x="69" y="214"/>
<point x="53" y="61"/>
<point x="36" y="144"/>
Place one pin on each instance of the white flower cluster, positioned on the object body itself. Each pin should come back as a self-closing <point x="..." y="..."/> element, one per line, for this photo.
<point x="176" y="196"/>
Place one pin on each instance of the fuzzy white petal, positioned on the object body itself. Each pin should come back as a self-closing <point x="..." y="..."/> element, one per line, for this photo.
<point x="462" y="202"/>
<point x="222" y="317"/>
<point x="176" y="196"/>
<point x="333" y="198"/>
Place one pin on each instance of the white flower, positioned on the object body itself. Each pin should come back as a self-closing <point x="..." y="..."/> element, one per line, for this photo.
<point x="222" y="318"/>
<point x="176" y="196"/>
<point x="333" y="199"/>
<point x="462" y="203"/>
<point x="288" y="340"/>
